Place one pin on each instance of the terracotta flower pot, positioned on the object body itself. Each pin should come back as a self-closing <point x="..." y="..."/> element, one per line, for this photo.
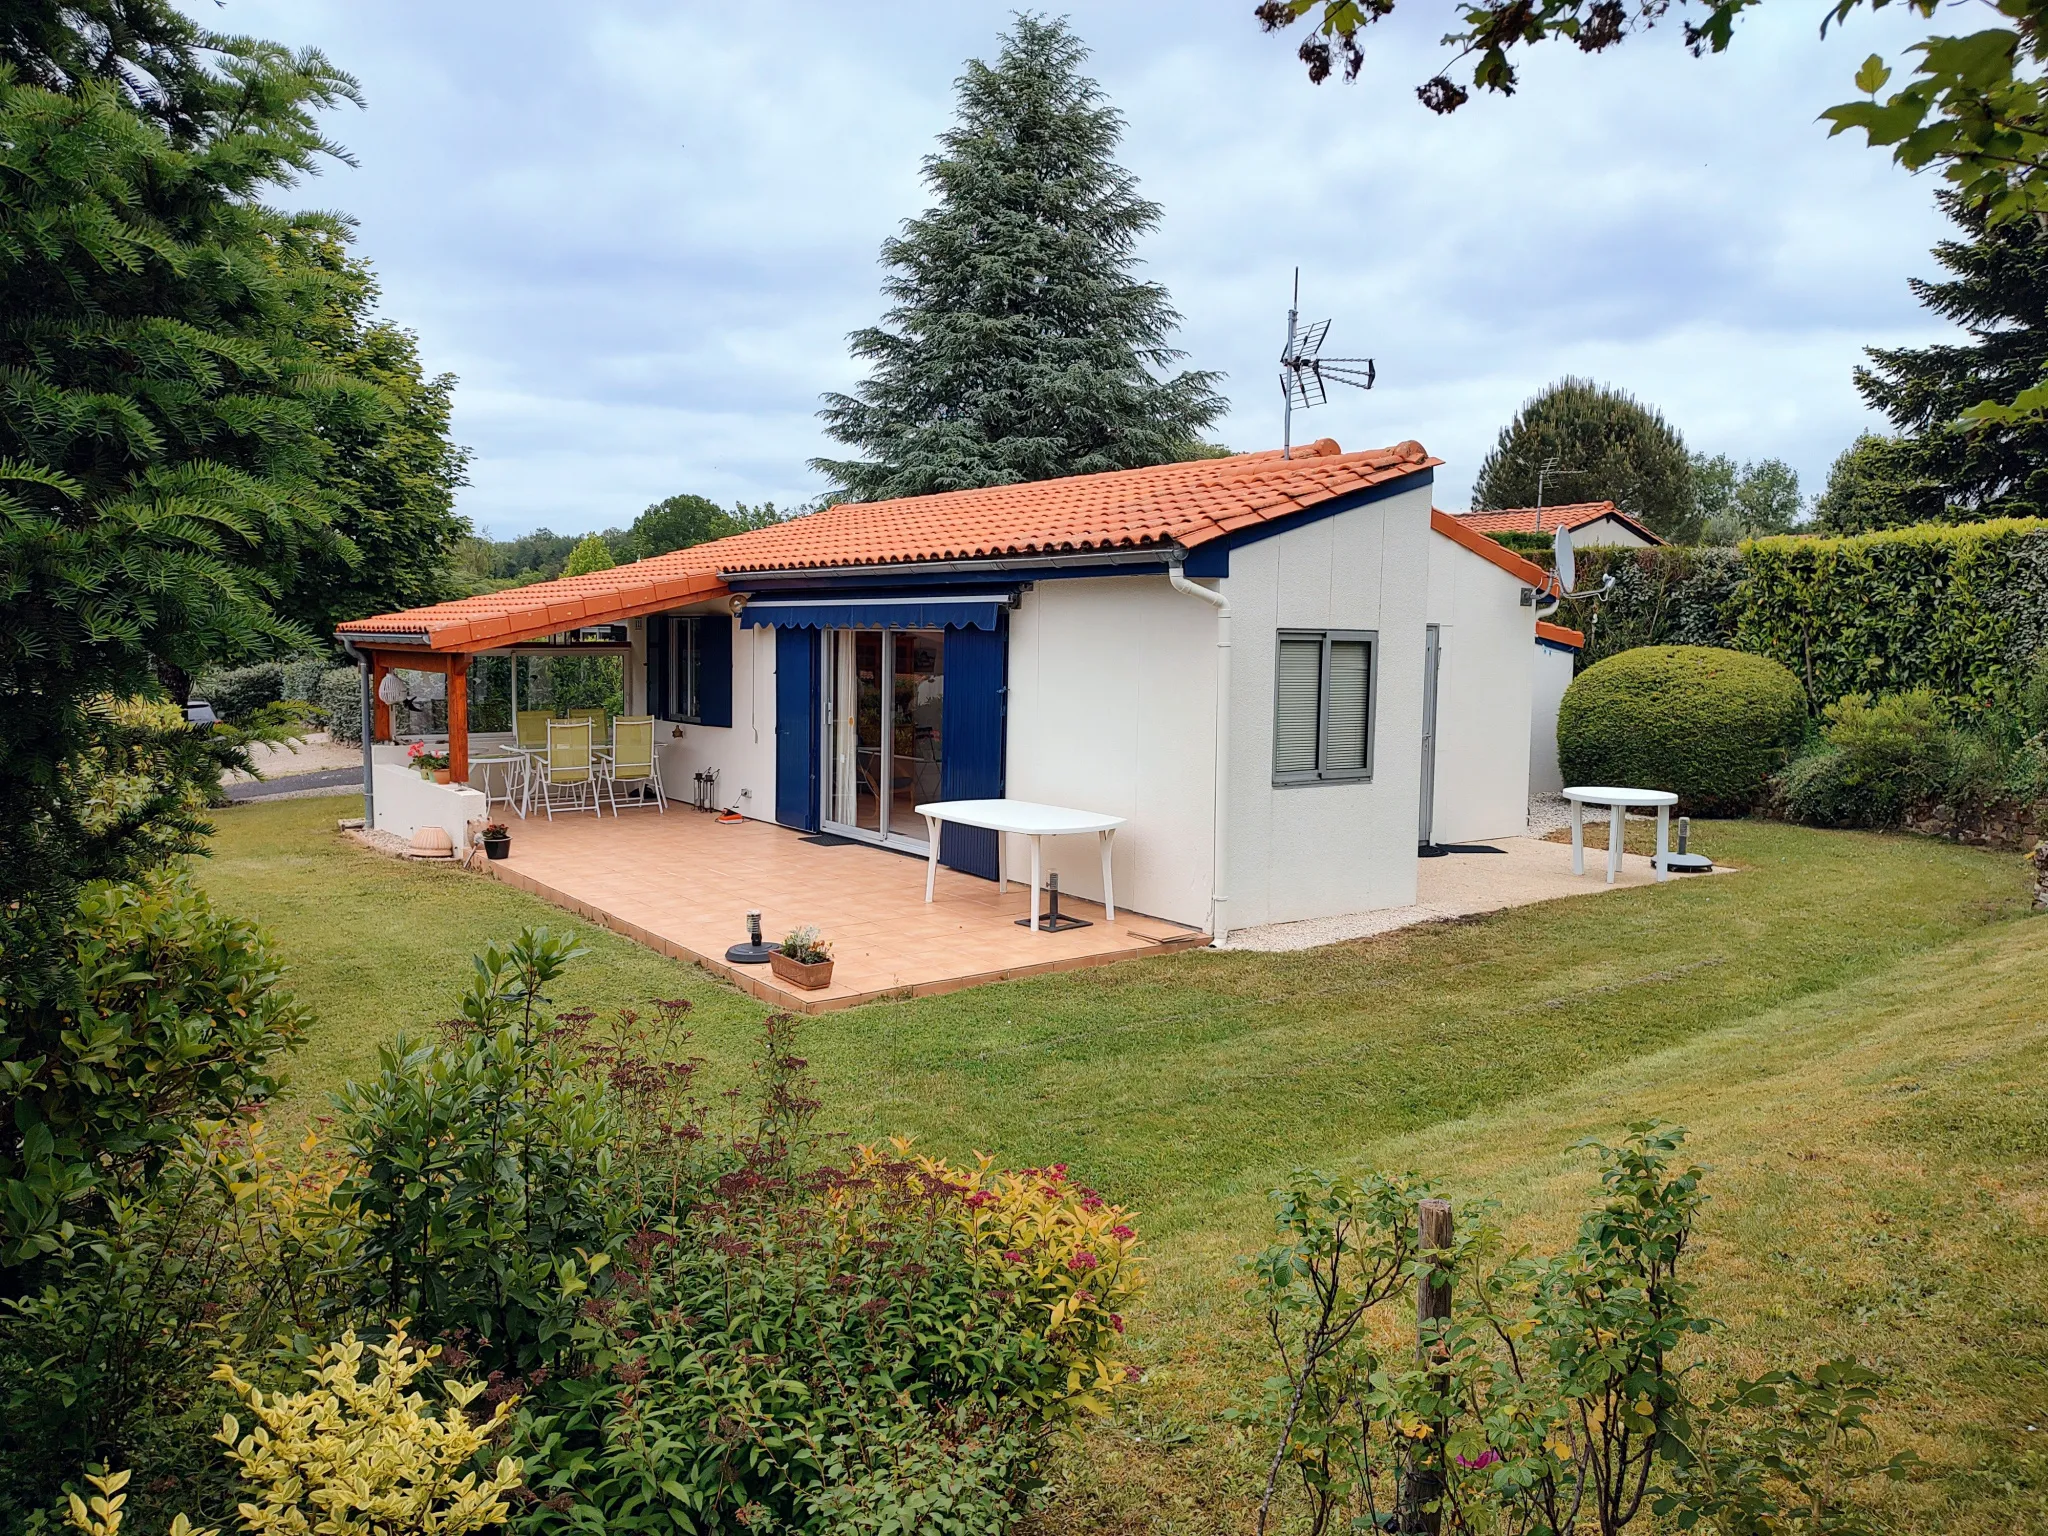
<point x="810" y="977"/>
<point x="444" y="775"/>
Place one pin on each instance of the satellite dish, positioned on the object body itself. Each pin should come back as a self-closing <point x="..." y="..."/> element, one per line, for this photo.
<point x="1565" y="563"/>
<point x="393" y="690"/>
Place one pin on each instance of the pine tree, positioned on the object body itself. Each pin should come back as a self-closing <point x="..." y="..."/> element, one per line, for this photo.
<point x="1581" y="441"/>
<point x="1019" y="345"/>
<point x="1998" y="293"/>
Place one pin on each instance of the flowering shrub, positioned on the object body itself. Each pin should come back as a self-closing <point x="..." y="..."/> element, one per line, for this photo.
<point x="1066" y="1255"/>
<point x="881" y="1344"/>
<point x="362" y="1458"/>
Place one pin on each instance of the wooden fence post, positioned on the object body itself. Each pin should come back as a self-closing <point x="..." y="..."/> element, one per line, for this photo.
<point x="1432" y="1305"/>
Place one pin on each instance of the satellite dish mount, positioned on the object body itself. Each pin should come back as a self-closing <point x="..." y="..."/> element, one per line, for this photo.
<point x="1565" y="565"/>
<point x="1305" y="375"/>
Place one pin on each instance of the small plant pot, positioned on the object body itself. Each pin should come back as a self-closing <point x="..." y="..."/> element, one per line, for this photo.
<point x="810" y="977"/>
<point x="427" y="774"/>
<point x="444" y="776"/>
<point x="497" y="847"/>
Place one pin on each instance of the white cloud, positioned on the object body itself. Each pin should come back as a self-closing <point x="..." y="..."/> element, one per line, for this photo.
<point x="640" y="232"/>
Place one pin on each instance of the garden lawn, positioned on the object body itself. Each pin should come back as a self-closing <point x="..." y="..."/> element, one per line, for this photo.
<point x="1850" y="1024"/>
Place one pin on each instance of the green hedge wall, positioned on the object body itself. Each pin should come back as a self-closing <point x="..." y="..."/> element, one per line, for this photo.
<point x="1960" y="608"/>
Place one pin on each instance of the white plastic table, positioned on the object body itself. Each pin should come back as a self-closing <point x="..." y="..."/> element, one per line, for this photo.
<point x="1617" y="801"/>
<point x="1026" y="818"/>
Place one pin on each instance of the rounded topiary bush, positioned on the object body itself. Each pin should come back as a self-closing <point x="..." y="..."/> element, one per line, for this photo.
<point x="1708" y="724"/>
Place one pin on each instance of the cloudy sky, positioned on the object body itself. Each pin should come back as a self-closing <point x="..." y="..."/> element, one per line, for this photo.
<point x="640" y="232"/>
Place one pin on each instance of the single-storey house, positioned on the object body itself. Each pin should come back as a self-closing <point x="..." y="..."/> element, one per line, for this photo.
<point x="1591" y="523"/>
<point x="1284" y="673"/>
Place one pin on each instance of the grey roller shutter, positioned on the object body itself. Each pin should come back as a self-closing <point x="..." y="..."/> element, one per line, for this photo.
<point x="1294" y="711"/>
<point x="1350" y="678"/>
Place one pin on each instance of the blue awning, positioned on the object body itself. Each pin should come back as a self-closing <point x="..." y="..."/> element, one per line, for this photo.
<point x="872" y="613"/>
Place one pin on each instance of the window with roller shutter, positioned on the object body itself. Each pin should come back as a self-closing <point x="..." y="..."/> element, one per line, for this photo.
<point x="1323" y="705"/>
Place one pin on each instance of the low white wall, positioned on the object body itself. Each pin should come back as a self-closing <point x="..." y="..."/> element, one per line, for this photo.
<point x="406" y="802"/>
<point x="1485" y="673"/>
<point x="1553" y="674"/>
<point x="1112" y="708"/>
<point x="1322" y="850"/>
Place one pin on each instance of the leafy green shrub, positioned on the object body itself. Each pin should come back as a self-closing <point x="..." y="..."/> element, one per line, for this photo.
<point x="236" y="693"/>
<point x="173" y="1016"/>
<point x="300" y="677"/>
<point x="1876" y="761"/>
<point x="1555" y="1396"/>
<point x="484" y="1172"/>
<point x="1709" y="725"/>
<point x="340" y="699"/>
<point x="107" y="1357"/>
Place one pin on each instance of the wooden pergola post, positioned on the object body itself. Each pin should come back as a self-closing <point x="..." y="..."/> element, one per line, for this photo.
<point x="380" y="712"/>
<point x="458" y="719"/>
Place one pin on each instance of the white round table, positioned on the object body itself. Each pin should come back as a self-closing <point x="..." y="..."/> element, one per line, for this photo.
<point x="1618" y="800"/>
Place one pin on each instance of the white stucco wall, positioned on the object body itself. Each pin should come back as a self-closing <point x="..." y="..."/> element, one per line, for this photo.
<point x="1485" y="674"/>
<point x="1318" y="850"/>
<point x="744" y="752"/>
<point x="406" y="802"/>
<point x="1608" y="531"/>
<point x="1112" y="708"/>
<point x="1553" y="674"/>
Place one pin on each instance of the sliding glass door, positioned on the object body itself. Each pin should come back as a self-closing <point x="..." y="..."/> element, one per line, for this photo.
<point x="884" y="699"/>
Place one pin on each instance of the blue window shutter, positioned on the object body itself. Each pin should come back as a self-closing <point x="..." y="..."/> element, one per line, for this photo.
<point x="658" y="627"/>
<point x="971" y="739"/>
<point x="714" y="670"/>
<point x="797" y="707"/>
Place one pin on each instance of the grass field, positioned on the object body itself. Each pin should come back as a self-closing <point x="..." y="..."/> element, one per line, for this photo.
<point x="1853" y="1026"/>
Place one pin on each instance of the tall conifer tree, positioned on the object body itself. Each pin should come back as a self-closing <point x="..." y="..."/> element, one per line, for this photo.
<point x="1997" y="291"/>
<point x="1019" y="345"/>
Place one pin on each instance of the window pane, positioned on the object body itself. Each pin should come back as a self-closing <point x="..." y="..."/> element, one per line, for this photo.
<point x="1294" y="720"/>
<point x="693" y="671"/>
<point x="1350" y="678"/>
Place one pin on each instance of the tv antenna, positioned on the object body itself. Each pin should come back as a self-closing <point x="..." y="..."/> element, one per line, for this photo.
<point x="1305" y="374"/>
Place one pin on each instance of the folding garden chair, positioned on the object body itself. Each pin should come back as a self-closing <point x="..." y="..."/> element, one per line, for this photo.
<point x="569" y="771"/>
<point x="631" y="761"/>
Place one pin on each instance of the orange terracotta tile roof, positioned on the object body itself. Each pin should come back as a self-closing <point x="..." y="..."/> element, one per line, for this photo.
<point x="1549" y="519"/>
<point x="1131" y="509"/>
<point x="1455" y="529"/>
<point x="1558" y="634"/>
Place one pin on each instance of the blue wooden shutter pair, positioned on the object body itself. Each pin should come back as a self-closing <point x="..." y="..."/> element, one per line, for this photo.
<point x="971" y="739"/>
<point x="714" y="669"/>
<point x="797" y="707"/>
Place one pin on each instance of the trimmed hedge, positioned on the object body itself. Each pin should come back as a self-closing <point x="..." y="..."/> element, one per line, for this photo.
<point x="1959" y="608"/>
<point x="1711" y="725"/>
<point x="340" y="697"/>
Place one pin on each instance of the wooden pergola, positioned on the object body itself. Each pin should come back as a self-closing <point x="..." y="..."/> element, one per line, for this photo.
<point x="447" y="637"/>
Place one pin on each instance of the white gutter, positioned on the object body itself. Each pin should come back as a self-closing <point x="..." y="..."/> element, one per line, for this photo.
<point x="1219" y="924"/>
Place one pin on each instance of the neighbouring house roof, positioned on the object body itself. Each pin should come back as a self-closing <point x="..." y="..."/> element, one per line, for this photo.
<point x="1455" y="529"/>
<point x="1166" y="506"/>
<point x="1549" y="519"/>
<point x="1557" y="634"/>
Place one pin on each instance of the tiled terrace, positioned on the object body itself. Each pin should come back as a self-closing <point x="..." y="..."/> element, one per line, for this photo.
<point x="683" y="883"/>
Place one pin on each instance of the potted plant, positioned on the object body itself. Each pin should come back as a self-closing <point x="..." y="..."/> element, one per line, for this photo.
<point x="497" y="840"/>
<point x="803" y="960"/>
<point x="432" y="765"/>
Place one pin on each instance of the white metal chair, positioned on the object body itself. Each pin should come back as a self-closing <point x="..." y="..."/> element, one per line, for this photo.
<point x="632" y="761"/>
<point x="569" y="772"/>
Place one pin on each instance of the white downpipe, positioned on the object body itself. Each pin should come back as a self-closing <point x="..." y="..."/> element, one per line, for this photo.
<point x="1219" y="923"/>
